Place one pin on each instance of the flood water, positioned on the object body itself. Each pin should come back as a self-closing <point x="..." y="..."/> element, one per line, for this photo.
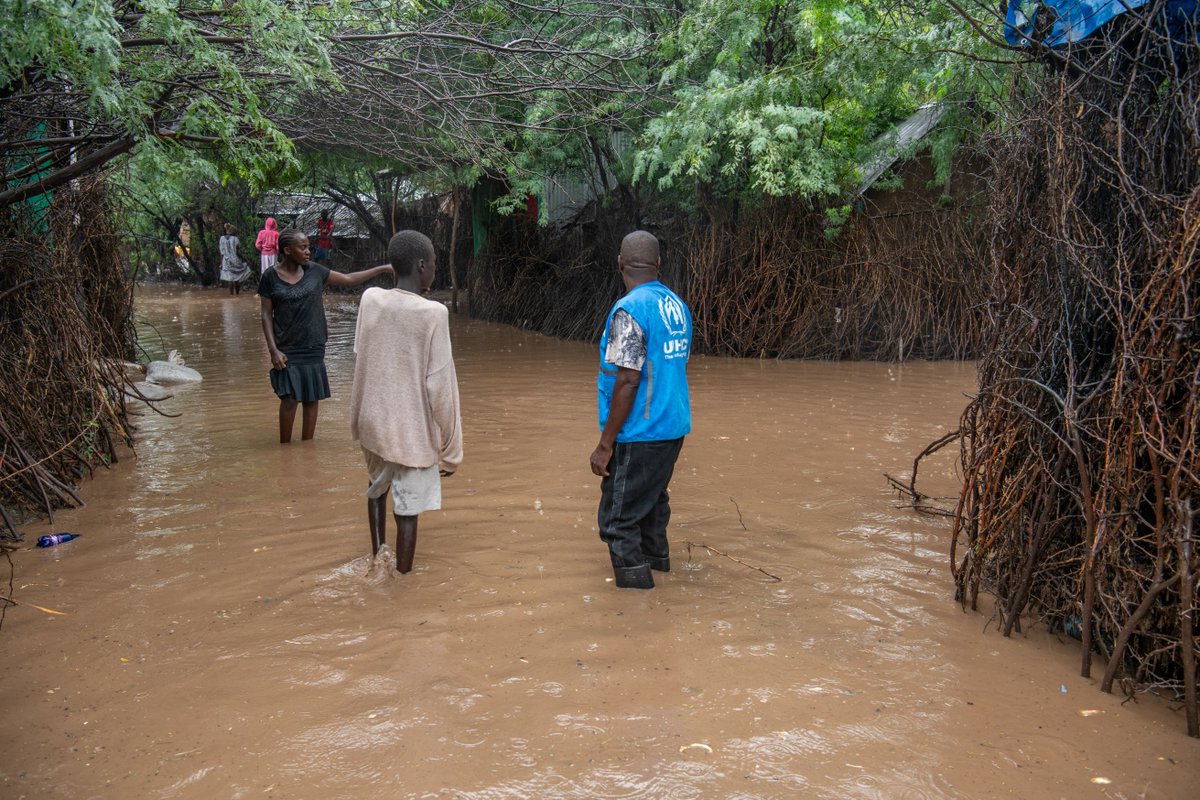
<point x="223" y="633"/>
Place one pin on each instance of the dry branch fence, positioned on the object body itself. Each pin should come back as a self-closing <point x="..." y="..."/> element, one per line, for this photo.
<point x="900" y="281"/>
<point x="66" y="317"/>
<point x="1080" y="452"/>
<point x="903" y="279"/>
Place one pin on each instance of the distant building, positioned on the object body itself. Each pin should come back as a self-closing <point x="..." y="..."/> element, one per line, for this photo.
<point x="354" y="247"/>
<point x="563" y="198"/>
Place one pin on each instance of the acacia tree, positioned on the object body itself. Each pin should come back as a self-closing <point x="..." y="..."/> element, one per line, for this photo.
<point x="420" y="84"/>
<point x="84" y="84"/>
<point x="787" y="98"/>
<point x="188" y="191"/>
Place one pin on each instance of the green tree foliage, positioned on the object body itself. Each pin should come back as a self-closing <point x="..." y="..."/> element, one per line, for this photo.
<point x="788" y="97"/>
<point x="255" y="81"/>
<point x="158" y="198"/>
<point x="741" y="99"/>
<point x="105" y="78"/>
<point x="375" y="190"/>
<point x="156" y="208"/>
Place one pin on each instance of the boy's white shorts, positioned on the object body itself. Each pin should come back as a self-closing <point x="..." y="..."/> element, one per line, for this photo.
<point x="414" y="489"/>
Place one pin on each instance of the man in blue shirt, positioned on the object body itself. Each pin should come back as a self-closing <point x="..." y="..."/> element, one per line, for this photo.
<point x="643" y="413"/>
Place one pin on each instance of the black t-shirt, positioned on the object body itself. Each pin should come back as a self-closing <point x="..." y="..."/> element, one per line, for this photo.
<point x="298" y="313"/>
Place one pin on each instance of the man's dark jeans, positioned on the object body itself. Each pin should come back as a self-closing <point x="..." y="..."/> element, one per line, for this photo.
<point x="634" y="506"/>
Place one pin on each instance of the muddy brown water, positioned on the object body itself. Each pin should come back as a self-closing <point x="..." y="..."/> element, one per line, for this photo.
<point x="224" y="635"/>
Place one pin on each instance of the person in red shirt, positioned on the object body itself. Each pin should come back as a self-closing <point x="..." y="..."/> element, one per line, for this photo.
<point x="324" y="237"/>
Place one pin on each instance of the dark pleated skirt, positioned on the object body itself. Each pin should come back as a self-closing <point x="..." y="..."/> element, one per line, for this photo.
<point x="304" y="378"/>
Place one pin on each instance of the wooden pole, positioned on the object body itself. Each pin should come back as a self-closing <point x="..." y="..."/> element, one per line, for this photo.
<point x="453" y="265"/>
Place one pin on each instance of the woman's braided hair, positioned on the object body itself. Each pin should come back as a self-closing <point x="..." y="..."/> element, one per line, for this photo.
<point x="288" y="237"/>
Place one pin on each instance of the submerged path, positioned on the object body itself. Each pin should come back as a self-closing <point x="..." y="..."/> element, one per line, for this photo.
<point x="224" y="635"/>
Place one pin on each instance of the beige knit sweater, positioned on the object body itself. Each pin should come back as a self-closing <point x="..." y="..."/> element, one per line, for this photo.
<point x="404" y="404"/>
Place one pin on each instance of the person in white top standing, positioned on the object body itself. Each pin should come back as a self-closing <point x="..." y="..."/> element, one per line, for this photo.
<point x="404" y="407"/>
<point x="233" y="269"/>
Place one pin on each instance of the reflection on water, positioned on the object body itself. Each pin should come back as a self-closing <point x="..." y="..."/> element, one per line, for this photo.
<point x="226" y="634"/>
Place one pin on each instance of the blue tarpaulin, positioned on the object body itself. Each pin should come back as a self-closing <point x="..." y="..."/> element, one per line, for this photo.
<point x="1074" y="20"/>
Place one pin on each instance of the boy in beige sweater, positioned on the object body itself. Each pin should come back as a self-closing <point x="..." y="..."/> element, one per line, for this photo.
<point x="404" y="405"/>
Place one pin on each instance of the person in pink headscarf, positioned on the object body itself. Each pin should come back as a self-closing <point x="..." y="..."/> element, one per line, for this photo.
<point x="268" y="245"/>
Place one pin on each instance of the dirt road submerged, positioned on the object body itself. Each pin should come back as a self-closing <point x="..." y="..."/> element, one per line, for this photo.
<point x="224" y="634"/>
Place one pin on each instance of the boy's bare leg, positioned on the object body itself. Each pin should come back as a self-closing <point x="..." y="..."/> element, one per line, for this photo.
<point x="377" y="520"/>
<point x="310" y="421"/>
<point x="287" y="418"/>
<point x="406" y="542"/>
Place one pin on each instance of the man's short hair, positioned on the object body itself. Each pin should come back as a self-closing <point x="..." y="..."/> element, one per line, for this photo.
<point x="407" y="248"/>
<point x="640" y="250"/>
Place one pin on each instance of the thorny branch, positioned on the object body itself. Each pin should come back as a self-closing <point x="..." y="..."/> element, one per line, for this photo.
<point x="917" y="500"/>
<point x="735" y="559"/>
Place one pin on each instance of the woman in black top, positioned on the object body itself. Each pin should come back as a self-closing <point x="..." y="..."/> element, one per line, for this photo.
<point x="293" y="320"/>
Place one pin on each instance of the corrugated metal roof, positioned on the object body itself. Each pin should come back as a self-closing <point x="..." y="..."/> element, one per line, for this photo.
<point x="892" y="144"/>
<point x="564" y="197"/>
<point x="303" y="211"/>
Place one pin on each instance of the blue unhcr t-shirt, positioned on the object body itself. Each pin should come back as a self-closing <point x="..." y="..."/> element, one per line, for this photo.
<point x="660" y="409"/>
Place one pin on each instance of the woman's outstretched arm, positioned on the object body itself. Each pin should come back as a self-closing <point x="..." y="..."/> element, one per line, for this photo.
<point x="352" y="278"/>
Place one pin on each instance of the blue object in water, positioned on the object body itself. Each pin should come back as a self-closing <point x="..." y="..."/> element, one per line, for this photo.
<point x="56" y="538"/>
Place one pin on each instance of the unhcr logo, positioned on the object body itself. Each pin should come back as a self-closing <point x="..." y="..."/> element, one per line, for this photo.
<point x="671" y="311"/>
<point x="674" y="348"/>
